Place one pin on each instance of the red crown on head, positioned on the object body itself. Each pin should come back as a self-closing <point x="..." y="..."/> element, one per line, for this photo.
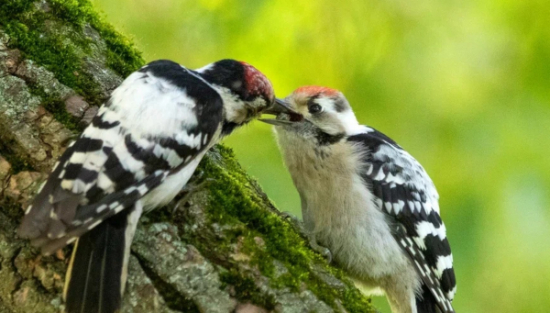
<point x="256" y="82"/>
<point x="316" y="90"/>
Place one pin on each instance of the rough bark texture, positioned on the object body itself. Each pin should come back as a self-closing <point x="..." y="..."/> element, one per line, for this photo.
<point x="226" y="250"/>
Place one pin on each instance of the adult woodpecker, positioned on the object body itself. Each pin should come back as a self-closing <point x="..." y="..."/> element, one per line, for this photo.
<point x="137" y="154"/>
<point x="368" y="201"/>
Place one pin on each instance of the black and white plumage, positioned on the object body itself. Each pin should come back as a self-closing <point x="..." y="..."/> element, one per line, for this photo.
<point x="137" y="154"/>
<point x="368" y="201"/>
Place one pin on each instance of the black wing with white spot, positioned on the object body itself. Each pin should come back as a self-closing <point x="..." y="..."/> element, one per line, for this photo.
<point x="154" y="124"/>
<point x="403" y="190"/>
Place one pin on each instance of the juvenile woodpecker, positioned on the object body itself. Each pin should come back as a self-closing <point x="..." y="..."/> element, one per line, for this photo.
<point x="137" y="154"/>
<point x="368" y="201"/>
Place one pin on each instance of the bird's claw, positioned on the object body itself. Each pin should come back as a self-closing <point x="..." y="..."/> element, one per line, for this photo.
<point x="327" y="255"/>
<point x="324" y="251"/>
<point x="191" y="188"/>
<point x="299" y="226"/>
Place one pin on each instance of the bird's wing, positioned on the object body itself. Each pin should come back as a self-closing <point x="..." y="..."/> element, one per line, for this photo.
<point x="403" y="190"/>
<point x="154" y="124"/>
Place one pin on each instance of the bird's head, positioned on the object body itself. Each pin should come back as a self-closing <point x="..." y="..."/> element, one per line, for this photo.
<point x="327" y="114"/>
<point x="245" y="91"/>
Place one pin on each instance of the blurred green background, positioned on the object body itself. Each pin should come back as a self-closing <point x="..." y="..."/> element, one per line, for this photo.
<point x="462" y="85"/>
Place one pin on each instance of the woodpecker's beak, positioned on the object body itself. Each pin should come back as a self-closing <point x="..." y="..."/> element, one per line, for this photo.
<point x="278" y="108"/>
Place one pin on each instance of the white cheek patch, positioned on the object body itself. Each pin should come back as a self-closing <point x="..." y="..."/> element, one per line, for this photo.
<point x="351" y="125"/>
<point x="258" y="103"/>
<point x="236" y="84"/>
<point x="346" y="119"/>
<point x="236" y="110"/>
<point x="326" y="103"/>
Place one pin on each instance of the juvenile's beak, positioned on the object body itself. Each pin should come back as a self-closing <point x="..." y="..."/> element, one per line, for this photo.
<point x="280" y="106"/>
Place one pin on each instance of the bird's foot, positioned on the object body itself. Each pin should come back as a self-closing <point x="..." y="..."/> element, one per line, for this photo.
<point x="300" y="228"/>
<point x="198" y="184"/>
<point x="324" y="251"/>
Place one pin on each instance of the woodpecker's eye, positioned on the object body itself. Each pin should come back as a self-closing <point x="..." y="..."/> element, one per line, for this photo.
<point x="315" y="108"/>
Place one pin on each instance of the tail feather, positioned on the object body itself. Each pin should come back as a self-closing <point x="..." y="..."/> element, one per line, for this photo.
<point x="426" y="303"/>
<point x="97" y="273"/>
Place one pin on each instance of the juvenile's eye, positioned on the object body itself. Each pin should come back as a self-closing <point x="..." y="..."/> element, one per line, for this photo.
<point x="315" y="108"/>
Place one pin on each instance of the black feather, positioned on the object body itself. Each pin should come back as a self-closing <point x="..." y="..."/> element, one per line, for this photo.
<point x="425" y="302"/>
<point x="149" y="159"/>
<point x="209" y="107"/>
<point x="116" y="172"/>
<point x="95" y="281"/>
<point x="88" y="215"/>
<point x="35" y="222"/>
<point x="100" y="123"/>
<point x="96" y="210"/>
<point x="409" y="191"/>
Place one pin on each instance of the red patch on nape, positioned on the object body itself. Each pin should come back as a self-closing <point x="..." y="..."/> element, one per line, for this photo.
<point x="317" y="90"/>
<point x="256" y="82"/>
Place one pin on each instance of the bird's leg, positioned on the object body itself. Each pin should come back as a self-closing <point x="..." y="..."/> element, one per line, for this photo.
<point x="299" y="227"/>
<point x="192" y="187"/>
<point x="324" y="251"/>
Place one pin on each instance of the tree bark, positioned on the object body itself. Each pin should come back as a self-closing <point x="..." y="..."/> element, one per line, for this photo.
<point x="226" y="250"/>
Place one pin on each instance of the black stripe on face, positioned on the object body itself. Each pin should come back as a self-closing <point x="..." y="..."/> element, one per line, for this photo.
<point x="151" y="161"/>
<point x="98" y="122"/>
<point x="85" y="144"/>
<point x="312" y="100"/>
<point x="324" y="139"/>
<point x="340" y="105"/>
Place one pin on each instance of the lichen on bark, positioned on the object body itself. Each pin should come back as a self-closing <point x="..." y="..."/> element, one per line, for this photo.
<point x="226" y="250"/>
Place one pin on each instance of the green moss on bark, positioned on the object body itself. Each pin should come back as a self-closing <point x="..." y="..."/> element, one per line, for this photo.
<point x="235" y="198"/>
<point x="122" y="56"/>
<point x="17" y="164"/>
<point x="60" y="35"/>
<point x="246" y="289"/>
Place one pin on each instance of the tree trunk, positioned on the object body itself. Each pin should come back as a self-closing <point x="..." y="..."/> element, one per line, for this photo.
<point x="225" y="250"/>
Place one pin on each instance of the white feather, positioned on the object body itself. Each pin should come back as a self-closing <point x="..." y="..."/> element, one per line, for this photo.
<point x="426" y="228"/>
<point x="171" y="186"/>
<point x="443" y="263"/>
<point x="142" y="104"/>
